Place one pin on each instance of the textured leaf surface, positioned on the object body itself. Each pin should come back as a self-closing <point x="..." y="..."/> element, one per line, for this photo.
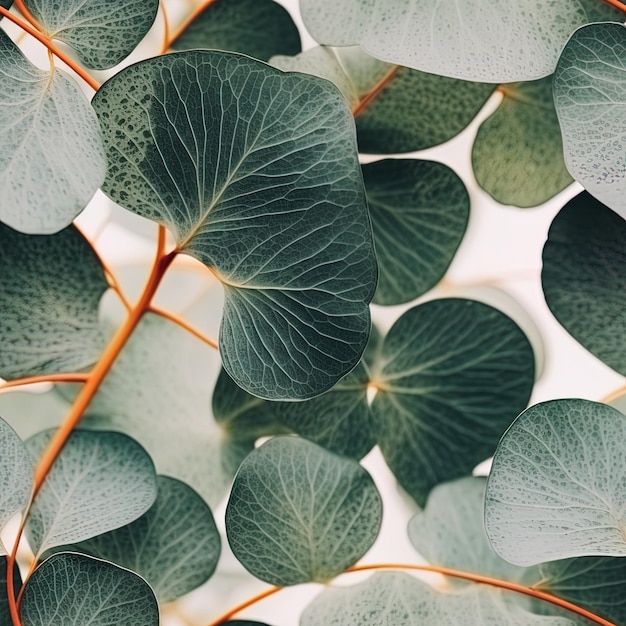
<point x="76" y="590"/>
<point x="259" y="28"/>
<point x="451" y="376"/>
<point x="298" y="513"/>
<point x="556" y="485"/>
<point x="52" y="159"/>
<point x="50" y="288"/>
<point x="100" y="481"/>
<point x="584" y="277"/>
<point x="590" y="96"/>
<point x="5" y="615"/>
<point x="419" y="212"/>
<point x="276" y="207"/>
<point x="102" y="33"/>
<point x="518" y="152"/>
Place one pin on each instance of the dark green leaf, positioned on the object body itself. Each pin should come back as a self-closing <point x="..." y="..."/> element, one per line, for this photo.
<point x="102" y="33"/>
<point x="76" y="590"/>
<point x="259" y="28"/>
<point x="555" y="488"/>
<point x="419" y="212"/>
<point x="298" y="513"/>
<point x="584" y="277"/>
<point x="51" y="157"/>
<point x="5" y="616"/>
<point x="276" y="207"/>
<point x="6" y="4"/>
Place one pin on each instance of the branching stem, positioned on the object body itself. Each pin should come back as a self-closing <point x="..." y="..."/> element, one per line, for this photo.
<point x="184" y="324"/>
<point x="72" y="377"/>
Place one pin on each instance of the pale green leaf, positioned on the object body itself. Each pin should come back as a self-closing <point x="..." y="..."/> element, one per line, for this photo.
<point x="77" y="590"/>
<point x="5" y="616"/>
<point x="99" y="482"/>
<point x="259" y="28"/>
<point x="419" y="212"/>
<point x="51" y="158"/>
<point x="276" y="207"/>
<point x="556" y="487"/>
<point x="102" y="33"/>
<point x="298" y="513"/>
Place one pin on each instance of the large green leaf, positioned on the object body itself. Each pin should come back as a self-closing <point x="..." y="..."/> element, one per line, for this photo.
<point x="419" y="212"/>
<point x="99" y="482"/>
<point x="102" y="33"/>
<point x="518" y="154"/>
<point x="589" y="95"/>
<point x="76" y="590"/>
<point x="259" y="28"/>
<point x="51" y="155"/>
<point x="584" y="277"/>
<point x="556" y="484"/>
<point x="451" y="376"/>
<point x="50" y="288"/>
<point x="298" y="513"/>
<point x="275" y="206"/>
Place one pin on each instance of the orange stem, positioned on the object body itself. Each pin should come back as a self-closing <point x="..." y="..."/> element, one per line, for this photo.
<point x="244" y="605"/>
<point x="375" y="91"/>
<point x="172" y="317"/>
<point x="73" y="377"/>
<point x="201" y="8"/>
<point x="23" y="9"/>
<point x="616" y="393"/>
<point x="617" y="4"/>
<point x="166" y="27"/>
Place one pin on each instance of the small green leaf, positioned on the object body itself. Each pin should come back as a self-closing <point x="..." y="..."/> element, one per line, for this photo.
<point x="99" y="482"/>
<point x="451" y="376"/>
<point x="5" y="615"/>
<point x="102" y="33"/>
<point x="51" y="158"/>
<point x="584" y="277"/>
<point x="419" y="212"/>
<point x="298" y="513"/>
<point x="76" y="590"/>
<point x="258" y="28"/>
<point x="518" y="154"/>
<point x="555" y="488"/>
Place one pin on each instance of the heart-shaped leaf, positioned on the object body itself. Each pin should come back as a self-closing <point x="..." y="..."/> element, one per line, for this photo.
<point x="275" y="206"/>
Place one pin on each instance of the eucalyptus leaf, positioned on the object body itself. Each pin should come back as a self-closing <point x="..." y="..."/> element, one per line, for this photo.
<point x="584" y="277"/>
<point x="451" y="376"/>
<point x="556" y="484"/>
<point x="5" y="615"/>
<point x="6" y="4"/>
<point x="298" y="513"/>
<point x="52" y="159"/>
<point x="419" y="212"/>
<point x="276" y="207"/>
<point x="102" y="33"/>
<point x="259" y="28"/>
<point x="75" y="590"/>
<point x="99" y="482"/>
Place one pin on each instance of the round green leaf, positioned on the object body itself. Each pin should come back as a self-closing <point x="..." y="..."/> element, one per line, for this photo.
<point x="100" y="481"/>
<point x="51" y="158"/>
<point x="584" y="277"/>
<point x="258" y="28"/>
<point x="556" y="487"/>
<point x="451" y="376"/>
<point x="102" y="33"/>
<point x="419" y="212"/>
<point x="298" y="513"/>
<point x="276" y="206"/>
<point x="76" y="590"/>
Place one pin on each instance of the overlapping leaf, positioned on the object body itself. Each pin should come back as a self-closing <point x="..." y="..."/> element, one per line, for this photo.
<point x="276" y="206"/>
<point x="556" y="484"/>
<point x="298" y="513"/>
<point x="51" y="157"/>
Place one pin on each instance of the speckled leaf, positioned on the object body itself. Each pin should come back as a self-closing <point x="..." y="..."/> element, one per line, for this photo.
<point x="556" y="484"/>
<point x="298" y="513"/>
<point x="276" y="207"/>
<point x="76" y="590"/>
<point x="484" y="40"/>
<point x="102" y="33"/>
<point x="451" y="376"/>
<point x="584" y="277"/>
<point x="99" y="482"/>
<point x="175" y="545"/>
<point x="419" y="212"/>
<point x="5" y="616"/>
<point x="259" y="28"/>
<point x="51" y="155"/>
<point x="50" y="288"/>
<point x="590" y="96"/>
<point x="518" y="152"/>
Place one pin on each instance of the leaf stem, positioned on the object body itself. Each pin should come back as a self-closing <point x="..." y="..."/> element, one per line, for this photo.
<point x="172" y="317"/>
<point x="613" y="395"/>
<point x="71" y="377"/>
<point x="244" y="605"/>
<point x="166" y="27"/>
<point x="201" y="8"/>
<point x="375" y="91"/>
<point x="617" y="4"/>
